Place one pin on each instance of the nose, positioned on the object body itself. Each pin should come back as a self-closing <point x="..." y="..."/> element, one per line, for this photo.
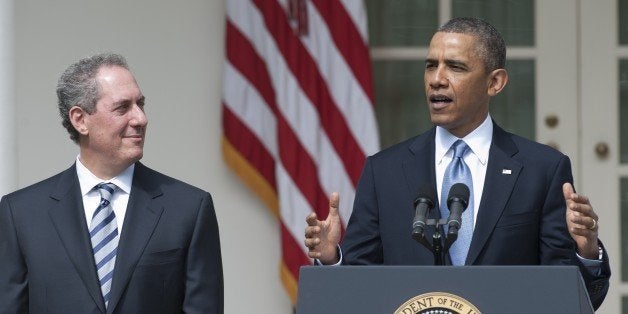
<point x="436" y="78"/>
<point x="139" y="117"/>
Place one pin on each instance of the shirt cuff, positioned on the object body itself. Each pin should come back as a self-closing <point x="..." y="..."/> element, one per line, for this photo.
<point x="318" y="262"/>
<point x="593" y="266"/>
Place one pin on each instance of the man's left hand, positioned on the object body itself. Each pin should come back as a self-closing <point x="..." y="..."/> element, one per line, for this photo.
<point x="582" y="222"/>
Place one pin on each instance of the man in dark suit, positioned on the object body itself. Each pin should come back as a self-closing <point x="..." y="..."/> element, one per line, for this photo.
<point x="108" y="235"/>
<point x="519" y="188"/>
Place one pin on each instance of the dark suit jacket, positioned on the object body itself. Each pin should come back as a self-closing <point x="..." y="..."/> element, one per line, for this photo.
<point x="521" y="218"/>
<point x="168" y="255"/>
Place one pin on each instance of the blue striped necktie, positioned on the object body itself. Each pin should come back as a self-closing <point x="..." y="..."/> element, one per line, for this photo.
<point x="458" y="172"/>
<point x="104" y="236"/>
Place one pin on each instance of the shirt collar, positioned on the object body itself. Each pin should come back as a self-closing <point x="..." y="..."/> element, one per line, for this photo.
<point x="479" y="141"/>
<point x="88" y="180"/>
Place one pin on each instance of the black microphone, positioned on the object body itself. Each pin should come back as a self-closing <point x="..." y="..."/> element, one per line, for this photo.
<point x="422" y="205"/>
<point x="457" y="201"/>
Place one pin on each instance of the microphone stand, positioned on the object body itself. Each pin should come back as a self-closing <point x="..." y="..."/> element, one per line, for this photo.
<point x="436" y="247"/>
<point x="457" y="202"/>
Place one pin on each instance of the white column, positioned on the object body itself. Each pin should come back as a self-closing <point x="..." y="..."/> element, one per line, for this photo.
<point x="8" y="148"/>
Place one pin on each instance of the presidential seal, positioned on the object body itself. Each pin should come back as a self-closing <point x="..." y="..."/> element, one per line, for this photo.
<point x="437" y="303"/>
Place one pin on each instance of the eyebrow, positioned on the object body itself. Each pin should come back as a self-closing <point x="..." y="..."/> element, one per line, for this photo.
<point x="456" y="63"/>
<point x="449" y="62"/>
<point x="128" y="101"/>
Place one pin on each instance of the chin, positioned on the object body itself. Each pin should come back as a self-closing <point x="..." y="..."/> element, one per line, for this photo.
<point x="439" y="120"/>
<point x="138" y="157"/>
<point x="133" y="158"/>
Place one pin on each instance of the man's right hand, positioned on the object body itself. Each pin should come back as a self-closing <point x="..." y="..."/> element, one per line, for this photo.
<point x="322" y="237"/>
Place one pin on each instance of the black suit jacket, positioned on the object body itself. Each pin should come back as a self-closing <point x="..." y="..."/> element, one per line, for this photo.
<point x="521" y="218"/>
<point x="168" y="257"/>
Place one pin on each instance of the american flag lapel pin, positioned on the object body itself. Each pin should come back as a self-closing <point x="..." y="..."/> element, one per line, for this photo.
<point x="506" y="171"/>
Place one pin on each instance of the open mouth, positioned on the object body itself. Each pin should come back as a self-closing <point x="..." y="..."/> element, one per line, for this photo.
<point x="440" y="99"/>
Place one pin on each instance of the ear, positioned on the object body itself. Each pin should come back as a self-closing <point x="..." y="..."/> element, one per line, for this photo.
<point x="77" y="117"/>
<point x="497" y="81"/>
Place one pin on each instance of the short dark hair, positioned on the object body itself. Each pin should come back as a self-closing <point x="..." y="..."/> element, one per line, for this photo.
<point x="77" y="86"/>
<point x="491" y="48"/>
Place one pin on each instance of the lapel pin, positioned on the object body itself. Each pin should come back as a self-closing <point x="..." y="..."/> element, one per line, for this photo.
<point x="506" y="171"/>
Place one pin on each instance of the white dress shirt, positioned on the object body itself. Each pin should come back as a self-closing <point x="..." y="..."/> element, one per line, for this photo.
<point x="479" y="142"/>
<point x="91" y="196"/>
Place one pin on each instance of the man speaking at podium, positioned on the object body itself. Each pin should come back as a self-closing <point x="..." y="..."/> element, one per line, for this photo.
<point x="522" y="209"/>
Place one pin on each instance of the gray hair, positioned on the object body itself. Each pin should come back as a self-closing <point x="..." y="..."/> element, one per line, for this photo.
<point x="77" y="86"/>
<point x="491" y="48"/>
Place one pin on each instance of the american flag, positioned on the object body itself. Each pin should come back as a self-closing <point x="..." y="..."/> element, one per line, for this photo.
<point x="298" y="116"/>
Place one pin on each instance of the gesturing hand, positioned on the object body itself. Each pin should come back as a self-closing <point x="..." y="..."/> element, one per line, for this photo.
<point x="322" y="237"/>
<point x="581" y="222"/>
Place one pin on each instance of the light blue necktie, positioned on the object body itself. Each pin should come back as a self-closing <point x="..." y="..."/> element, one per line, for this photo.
<point x="458" y="172"/>
<point x="104" y="236"/>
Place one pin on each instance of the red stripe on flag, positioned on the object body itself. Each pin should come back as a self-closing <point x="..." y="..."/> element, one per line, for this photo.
<point x="349" y="41"/>
<point x="293" y="256"/>
<point x="314" y="86"/>
<point x="302" y="170"/>
<point x="294" y="157"/>
<point x="249" y="146"/>
<point x="244" y="57"/>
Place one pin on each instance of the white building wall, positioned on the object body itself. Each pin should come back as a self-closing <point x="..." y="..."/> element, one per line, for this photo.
<point x="8" y="156"/>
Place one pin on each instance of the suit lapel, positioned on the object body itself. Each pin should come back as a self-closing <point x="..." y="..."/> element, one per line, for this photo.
<point x="68" y="217"/>
<point x="142" y="216"/>
<point x="415" y="164"/>
<point x="501" y="175"/>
